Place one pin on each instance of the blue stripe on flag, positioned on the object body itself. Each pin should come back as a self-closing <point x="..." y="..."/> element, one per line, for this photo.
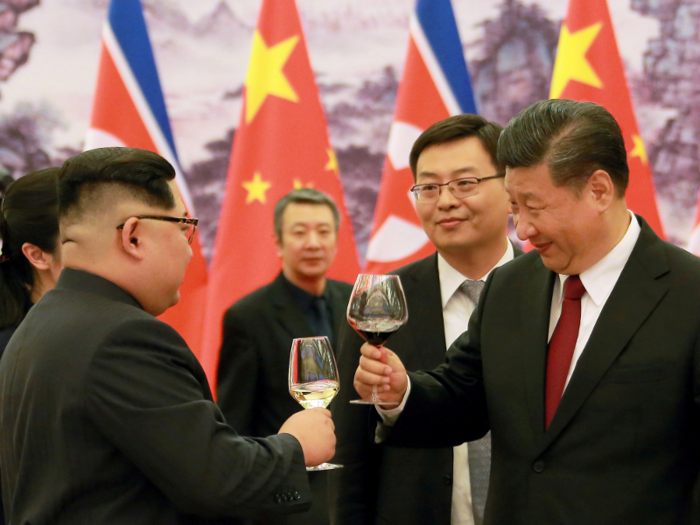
<point x="129" y="28"/>
<point x="438" y="22"/>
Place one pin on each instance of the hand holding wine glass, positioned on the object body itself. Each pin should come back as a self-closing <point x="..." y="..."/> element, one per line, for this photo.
<point x="377" y="309"/>
<point x="313" y="377"/>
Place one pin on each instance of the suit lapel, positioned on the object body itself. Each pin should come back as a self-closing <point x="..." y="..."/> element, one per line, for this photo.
<point x="634" y="297"/>
<point x="289" y="315"/>
<point x="425" y="322"/>
<point x="537" y="292"/>
<point x="339" y="306"/>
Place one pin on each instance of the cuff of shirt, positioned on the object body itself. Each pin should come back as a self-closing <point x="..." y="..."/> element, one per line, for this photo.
<point x="390" y="416"/>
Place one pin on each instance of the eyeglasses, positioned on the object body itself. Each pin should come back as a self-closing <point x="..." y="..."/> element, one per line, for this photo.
<point x="460" y="188"/>
<point x="190" y="222"/>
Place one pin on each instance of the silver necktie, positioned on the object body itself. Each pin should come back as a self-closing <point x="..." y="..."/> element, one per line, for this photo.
<point x="479" y="452"/>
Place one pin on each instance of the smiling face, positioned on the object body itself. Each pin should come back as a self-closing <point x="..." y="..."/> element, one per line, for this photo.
<point x="308" y="242"/>
<point x="564" y="227"/>
<point x="455" y="225"/>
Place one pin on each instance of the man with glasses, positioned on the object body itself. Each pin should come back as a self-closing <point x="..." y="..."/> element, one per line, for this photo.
<point x="106" y="415"/>
<point x="463" y="208"/>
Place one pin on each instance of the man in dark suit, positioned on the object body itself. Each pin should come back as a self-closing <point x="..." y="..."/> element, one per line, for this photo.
<point x="582" y="356"/>
<point x="106" y="415"/>
<point x="252" y="386"/>
<point x="467" y="222"/>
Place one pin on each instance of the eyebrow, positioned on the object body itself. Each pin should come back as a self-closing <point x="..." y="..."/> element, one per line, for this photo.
<point x="459" y="171"/>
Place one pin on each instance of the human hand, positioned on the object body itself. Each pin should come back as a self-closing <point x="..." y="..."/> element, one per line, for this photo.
<point x="381" y="367"/>
<point x="315" y="431"/>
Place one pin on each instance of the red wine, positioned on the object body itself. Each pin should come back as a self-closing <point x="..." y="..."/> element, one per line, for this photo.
<point x="376" y="332"/>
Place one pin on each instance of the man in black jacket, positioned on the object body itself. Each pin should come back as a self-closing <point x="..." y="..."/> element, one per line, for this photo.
<point x="252" y="385"/>
<point x="583" y="356"/>
<point x="106" y="415"/>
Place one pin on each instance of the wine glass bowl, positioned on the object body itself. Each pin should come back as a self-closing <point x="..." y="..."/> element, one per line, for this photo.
<point x="313" y="377"/>
<point x="376" y="310"/>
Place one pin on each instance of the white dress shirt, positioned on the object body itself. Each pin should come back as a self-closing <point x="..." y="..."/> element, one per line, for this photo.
<point x="456" y="310"/>
<point x="599" y="281"/>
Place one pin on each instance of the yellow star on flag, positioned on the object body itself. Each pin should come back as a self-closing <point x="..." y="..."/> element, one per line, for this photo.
<point x="265" y="76"/>
<point x="639" y="150"/>
<point x="299" y="185"/>
<point x="332" y="164"/>
<point x="256" y="189"/>
<point x="571" y="62"/>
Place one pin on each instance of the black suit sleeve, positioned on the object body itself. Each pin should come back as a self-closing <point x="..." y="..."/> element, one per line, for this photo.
<point x="447" y="406"/>
<point x="238" y="374"/>
<point x="147" y="395"/>
<point x="352" y="489"/>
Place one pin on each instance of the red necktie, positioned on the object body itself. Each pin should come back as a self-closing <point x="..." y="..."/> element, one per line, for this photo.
<point x="562" y="344"/>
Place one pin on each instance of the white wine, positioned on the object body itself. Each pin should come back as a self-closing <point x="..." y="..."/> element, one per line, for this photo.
<point x="316" y="394"/>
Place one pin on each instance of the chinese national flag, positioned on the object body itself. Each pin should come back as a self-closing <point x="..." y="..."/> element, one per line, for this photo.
<point x="281" y="143"/>
<point x="588" y="67"/>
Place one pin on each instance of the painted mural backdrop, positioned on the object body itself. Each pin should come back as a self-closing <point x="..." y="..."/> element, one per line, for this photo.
<point x="49" y="55"/>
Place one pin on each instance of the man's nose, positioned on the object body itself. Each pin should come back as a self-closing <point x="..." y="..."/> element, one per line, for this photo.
<point x="313" y="239"/>
<point x="446" y="199"/>
<point x="524" y="229"/>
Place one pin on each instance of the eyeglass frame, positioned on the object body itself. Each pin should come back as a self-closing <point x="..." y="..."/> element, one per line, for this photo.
<point x="439" y="185"/>
<point x="193" y="221"/>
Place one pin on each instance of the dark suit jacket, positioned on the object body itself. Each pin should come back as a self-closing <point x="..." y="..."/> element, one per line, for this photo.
<point x="252" y="385"/>
<point x="107" y="417"/>
<point x="5" y="336"/>
<point x="623" y="445"/>
<point x="389" y="484"/>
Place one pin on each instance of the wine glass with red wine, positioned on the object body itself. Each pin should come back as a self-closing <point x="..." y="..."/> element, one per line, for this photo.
<point x="377" y="309"/>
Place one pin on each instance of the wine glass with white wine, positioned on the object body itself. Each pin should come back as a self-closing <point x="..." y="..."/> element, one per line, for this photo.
<point x="377" y="309"/>
<point x="313" y="377"/>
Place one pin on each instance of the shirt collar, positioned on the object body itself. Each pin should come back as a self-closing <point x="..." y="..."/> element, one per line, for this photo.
<point x="302" y="296"/>
<point x="600" y="279"/>
<point x="451" y="279"/>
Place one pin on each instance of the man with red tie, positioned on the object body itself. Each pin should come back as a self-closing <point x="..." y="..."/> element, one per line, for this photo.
<point x="582" y="357"/>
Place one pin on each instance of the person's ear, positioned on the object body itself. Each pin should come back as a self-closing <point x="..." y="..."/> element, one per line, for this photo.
<point x="601" y="188"/>
<point x="131" y="239"/>
<point x="36" y="256"/>
<point x="278" y="245"/>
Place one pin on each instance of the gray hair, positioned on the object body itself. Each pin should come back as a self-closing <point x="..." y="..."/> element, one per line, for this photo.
<point x="304" y="196"/>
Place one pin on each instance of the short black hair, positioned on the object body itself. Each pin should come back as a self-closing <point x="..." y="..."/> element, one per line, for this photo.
<point x="143" y="173"/>
<point x="303" y="196"/>
<point x="456" y="128"/>
<point x="574" y="139"/>
<point x="29" y="214"/>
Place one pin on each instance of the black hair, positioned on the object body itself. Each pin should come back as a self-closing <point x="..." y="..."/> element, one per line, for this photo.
<point x="29" y="215"/>
<point x="143" y="173"/>
<point x="456" y="128"/>
<point x="573" y="138"/>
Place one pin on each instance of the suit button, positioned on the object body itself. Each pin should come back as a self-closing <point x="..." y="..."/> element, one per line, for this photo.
<point x="538" y="466"/>
<point x="290" y="496"/>
<point x="447" y="479"/>
<point x="278" y="498"/>
<point x="297" y="496"/>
